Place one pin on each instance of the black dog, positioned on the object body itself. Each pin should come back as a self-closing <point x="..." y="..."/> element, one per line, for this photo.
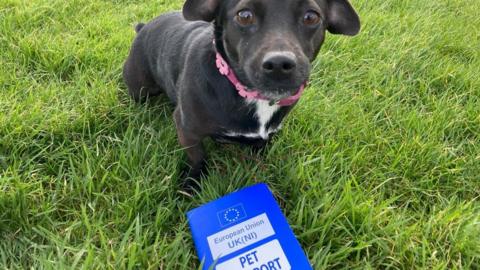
<point x="236" y="79"/>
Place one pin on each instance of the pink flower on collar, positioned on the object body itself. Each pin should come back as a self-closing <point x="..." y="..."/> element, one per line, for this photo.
<point x="222" y="66"/>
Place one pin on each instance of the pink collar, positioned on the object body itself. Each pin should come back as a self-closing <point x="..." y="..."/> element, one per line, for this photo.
<point x="226" y="71"/>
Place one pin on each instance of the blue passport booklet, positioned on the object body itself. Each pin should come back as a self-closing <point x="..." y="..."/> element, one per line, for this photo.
<point x="245" y="230"/>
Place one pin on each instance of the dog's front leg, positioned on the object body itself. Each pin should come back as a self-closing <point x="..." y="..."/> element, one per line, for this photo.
<point x="193" y="145"/>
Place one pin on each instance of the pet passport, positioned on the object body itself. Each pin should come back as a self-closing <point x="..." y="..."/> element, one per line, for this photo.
<point x="245" y="230"/>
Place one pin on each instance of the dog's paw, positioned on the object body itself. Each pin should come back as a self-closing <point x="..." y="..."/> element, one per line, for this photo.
<point x="190" y="180"/>
<point x="190" y="186"/>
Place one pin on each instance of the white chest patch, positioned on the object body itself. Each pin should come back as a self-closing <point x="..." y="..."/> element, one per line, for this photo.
<point x="264" y="113"/>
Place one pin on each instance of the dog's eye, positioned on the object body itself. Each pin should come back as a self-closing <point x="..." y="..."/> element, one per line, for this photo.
<point x="245" y="17"/>
<point x="311" y="18"/>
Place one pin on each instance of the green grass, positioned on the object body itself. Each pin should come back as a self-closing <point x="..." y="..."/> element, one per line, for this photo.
<point x="378" y="167"/>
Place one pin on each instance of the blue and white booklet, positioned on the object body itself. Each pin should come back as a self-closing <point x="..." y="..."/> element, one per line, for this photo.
<point x="245" y="230"/>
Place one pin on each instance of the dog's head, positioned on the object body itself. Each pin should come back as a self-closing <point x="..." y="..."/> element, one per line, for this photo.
<point x="271" y="43"/>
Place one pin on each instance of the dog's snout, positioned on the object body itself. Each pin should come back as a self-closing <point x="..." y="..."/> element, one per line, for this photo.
<point x="279" y="64"/>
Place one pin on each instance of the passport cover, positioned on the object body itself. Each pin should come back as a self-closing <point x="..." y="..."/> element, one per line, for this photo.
<point x="245" y="230"/>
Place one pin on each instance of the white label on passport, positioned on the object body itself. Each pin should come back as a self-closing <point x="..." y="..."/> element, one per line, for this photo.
<point x="240" y="236"/>
<point x="268" y="256"/>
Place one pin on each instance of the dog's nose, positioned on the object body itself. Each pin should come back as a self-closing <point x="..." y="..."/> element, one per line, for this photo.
<point x="279" y="63"/>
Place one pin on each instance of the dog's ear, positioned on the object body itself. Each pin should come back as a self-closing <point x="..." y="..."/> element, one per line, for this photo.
<point x="200" y="10"/>
<point x="342" y="18"/>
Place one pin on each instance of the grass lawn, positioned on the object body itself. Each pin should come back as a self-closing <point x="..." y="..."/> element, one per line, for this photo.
<point x="377" y="167"/>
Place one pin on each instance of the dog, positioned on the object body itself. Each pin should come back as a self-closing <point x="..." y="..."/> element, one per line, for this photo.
<point x="232" y="68"/>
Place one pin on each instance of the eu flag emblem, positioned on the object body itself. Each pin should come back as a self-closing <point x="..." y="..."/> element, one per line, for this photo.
<point x="231" y="215"/>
